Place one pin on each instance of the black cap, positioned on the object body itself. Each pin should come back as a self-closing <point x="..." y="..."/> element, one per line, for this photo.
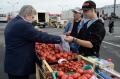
<point x="88" y="5"/>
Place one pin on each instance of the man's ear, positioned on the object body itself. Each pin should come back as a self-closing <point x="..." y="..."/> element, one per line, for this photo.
<point x="94" y="10"/>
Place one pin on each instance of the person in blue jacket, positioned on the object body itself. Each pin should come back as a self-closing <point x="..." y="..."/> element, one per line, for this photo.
<point x="73" y="25"/>
<point x="20" y="38"/>
<point x="72" y="28"/>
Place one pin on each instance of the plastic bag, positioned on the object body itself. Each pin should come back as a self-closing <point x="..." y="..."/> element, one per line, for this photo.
<point x="59" y="47"/>
<point x="93" y="77"/>
<point x="65" y="45"/>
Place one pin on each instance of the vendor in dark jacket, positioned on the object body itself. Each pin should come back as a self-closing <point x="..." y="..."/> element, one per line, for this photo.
<point x="20" y="38"/>
<point x="91" y="34"/>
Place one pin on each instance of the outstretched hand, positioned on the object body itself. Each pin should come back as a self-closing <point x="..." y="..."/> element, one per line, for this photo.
<point x="68" y="38"/>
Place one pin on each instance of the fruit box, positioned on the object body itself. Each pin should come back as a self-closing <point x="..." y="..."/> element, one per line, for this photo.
<point x="105" y="66"/>
<point x="51" y="53"/>
<point x="109" y="72"/>
<point x="97" y="61"/>
<point x="46" y="70"/>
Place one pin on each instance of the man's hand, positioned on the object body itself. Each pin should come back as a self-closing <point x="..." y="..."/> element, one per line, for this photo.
<point x="68" y="38"/>
<point x="68" y="33"/>
<point x="41" y="30"/>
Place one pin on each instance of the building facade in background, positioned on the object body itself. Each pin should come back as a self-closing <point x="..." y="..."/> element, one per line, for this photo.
<point x="105" y="12"/>
<point x="108" y="11"/>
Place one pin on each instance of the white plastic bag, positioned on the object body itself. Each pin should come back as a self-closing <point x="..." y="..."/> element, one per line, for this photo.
<point x="65" y="45"/>
<point x="93" y="77"/>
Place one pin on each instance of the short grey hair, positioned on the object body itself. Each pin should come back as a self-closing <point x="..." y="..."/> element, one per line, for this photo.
<point x="27" y="10"/>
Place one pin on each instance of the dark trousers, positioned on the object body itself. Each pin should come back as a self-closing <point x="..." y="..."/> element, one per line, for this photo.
<point x="18" y="77"/>
<point x="111" y="30"/>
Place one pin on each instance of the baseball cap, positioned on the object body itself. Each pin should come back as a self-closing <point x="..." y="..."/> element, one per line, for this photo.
<point x="87" y="5"/>
<point x="78" y="10"/>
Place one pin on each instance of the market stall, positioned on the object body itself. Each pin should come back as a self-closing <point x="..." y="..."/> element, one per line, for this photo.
<point x="59" y="64"/>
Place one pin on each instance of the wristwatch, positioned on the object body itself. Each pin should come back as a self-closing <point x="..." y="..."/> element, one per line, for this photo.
<point x="74" y="39"/>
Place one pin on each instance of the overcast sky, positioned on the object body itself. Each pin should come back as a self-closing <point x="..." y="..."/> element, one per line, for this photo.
<point x="54" y="6"/>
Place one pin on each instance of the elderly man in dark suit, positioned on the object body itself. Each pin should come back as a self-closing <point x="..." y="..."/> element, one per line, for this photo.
<point x="20" y="38"/>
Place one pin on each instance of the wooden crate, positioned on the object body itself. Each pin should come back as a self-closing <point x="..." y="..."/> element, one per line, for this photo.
<point x="37" y="72"/>
<point x="80" y="57"/>
<point x="111" y="72"/>
<point x="46" y="67"/>
<point x="41" y="71"/>
<point x="93" y="62"/>
<point x="110" y="66"/>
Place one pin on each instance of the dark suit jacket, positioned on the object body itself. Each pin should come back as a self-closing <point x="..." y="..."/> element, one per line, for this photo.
<point x="20" y="38"/>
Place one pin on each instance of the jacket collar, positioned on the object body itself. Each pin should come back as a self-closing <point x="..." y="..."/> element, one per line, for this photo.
<point x="20" y="17"/>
